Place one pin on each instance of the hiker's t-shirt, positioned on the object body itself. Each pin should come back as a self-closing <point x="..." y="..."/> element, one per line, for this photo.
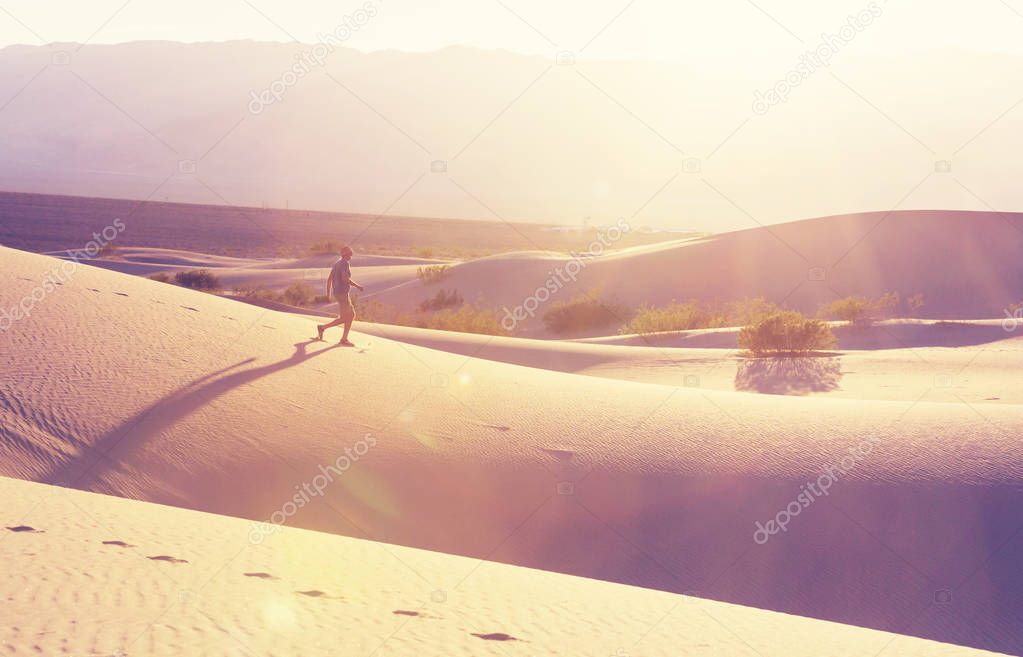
<point x="340" y="274"/>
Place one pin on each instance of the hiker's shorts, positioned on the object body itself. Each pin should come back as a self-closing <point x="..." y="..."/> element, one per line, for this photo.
<point x="345" y="308"/>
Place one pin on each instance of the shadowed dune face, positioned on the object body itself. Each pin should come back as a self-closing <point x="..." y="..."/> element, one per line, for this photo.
<point x="168" y="395"/>
<point x="299" y="591"/>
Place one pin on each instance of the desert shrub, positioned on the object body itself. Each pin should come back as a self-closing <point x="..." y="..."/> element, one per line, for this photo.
<point x="371" y="310"/>
<point x="786" y="332"/>
<point x="107" y="250"/>
<point x="325" y="247"/>
<point x="673" y="317"/>
<point x="582" y="313"/>
<point x="886" y="306"/>
<point x="425" y="252"/>
<point x="693" y="315"/>
<point x="160" y="277"/>
<point x="863" y="311"/>
<point x="299" y="294"/>
<point x="259" y="293"/>
<point x="466" y="319"/>
<point x="432" y="273"/>
<point x="915" y="303"/>
<point x="850" y="309"/>
<point x="202" y="279"/>
<point x="443" y="299"/>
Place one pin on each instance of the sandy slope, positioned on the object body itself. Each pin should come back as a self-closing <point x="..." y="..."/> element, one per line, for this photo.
<point x="965" y="264"/>
<point x="122" y="385"/>
<point x="96" y="575"/>
<point x="978" y="373"/>
<point x="375" y="272"/>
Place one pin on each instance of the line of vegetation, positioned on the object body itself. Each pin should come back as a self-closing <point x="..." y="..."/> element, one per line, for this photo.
<point x="301" y="295"/>
<point x="767" y="328"/>
<point x="463" y="318"/>
<point x="861" y="311"/>
<point x="690" y="315"/>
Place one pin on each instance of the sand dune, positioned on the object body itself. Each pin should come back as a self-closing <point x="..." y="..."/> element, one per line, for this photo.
<point x="909" y="369"/>
<point x="121" y="385"/>
<point x="375" y="272"/>
<point x="965" y="264"/>
<point x="132" y="578"/>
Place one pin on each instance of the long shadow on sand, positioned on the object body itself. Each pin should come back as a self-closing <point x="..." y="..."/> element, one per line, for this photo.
<point x="789" y="375"/>
<point x="105" y="453"/>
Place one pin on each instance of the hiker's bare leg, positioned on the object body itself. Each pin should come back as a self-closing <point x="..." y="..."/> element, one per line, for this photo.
<point x="342" y="310"/>
<point x="346" y="315"/>
<point x="320" y="328"/>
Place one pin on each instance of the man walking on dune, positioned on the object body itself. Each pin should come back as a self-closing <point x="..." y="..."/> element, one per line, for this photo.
<point x="339" y="283"/>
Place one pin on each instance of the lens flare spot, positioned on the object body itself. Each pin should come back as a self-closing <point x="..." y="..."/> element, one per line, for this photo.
<point x="278" y="615"/>
<point x="425" y="439"/>
<point x="371" y="493"/>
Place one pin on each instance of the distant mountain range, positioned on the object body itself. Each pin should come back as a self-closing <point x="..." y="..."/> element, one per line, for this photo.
<point x="495" y="135"/>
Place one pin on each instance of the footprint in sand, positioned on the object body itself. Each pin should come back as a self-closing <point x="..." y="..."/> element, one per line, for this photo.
<point x="194" y="310"/>
<point x="313" y="593"/>
<point x="495" y="636"/>
<point x="92" y="289"/>
<point x="26" y="529"/>
<point x="405" y="612"/>
<point x="167" y="558"/>
<point x="120" y="294"/>
<point x="118" y="544"/>
<point x="260" y="575"/>
<point x="559" y="453"/>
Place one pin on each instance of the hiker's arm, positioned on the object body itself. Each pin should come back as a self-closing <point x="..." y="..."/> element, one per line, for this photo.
<point x="330" y="283"/>
<point x="354" y="284"/>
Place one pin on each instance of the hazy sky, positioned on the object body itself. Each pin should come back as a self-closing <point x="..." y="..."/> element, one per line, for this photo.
<point x="900" y="115"/>
<point x="644" y="29"/>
